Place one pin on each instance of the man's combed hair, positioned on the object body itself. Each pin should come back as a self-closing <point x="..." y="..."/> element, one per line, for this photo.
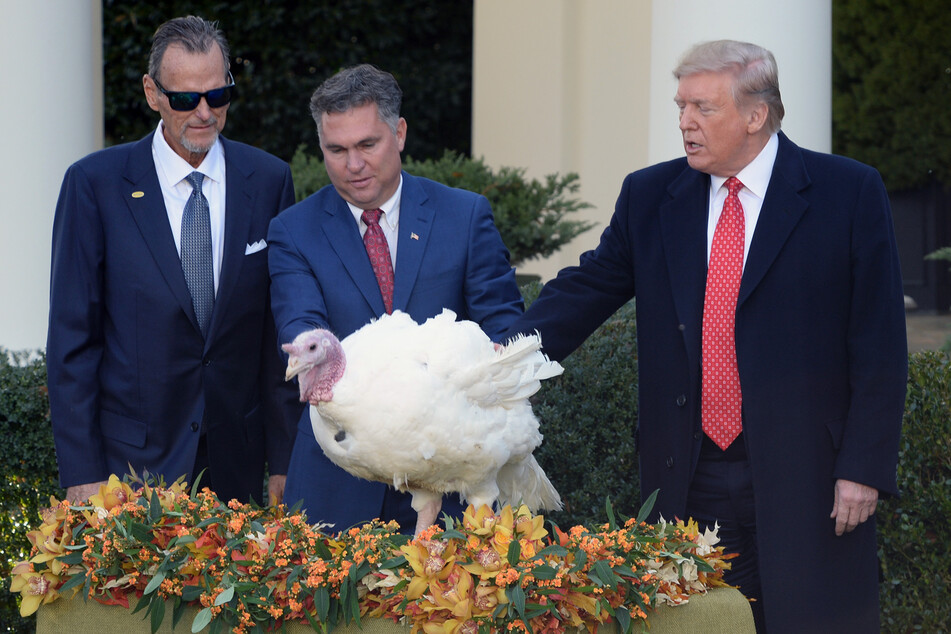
<point x="755" y="69"/>
<point x="358" y="86"/>
<point x="194" y="34"/>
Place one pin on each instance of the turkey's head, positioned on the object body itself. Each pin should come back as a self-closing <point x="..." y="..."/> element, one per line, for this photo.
<point x="316" y="358"/>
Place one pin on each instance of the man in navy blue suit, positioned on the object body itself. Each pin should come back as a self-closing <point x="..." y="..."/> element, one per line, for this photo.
<point x="142" y="372"/>
<point x="441" y="245"/>
<point x="772" y="358"/>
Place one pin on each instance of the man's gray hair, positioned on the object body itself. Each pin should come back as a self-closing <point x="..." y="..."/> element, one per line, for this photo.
<point x="194" y="34"/>
<point x="756" y="75"/>
<point x="358" y="86"/>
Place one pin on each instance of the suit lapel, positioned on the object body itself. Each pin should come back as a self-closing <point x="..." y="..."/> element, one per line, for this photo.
<point x="415" y="227"/>
<point x="343" y="235"/>
<point x="781" y="211"/>
<point x="147" y="205"/>
<point x="239" y="201"/>
<point x="683" y="222"/>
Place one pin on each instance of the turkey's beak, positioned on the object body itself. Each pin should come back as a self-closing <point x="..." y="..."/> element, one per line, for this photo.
<point x="294" y="367"/>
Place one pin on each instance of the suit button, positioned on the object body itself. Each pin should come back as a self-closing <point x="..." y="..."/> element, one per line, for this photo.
<point x="697" y="435"/>
<point x="194" y="426"/>
<point x="670" y="462"/>
<point x="681" y="400"/>
<point x="681" y="327"/>
<point x="206" y="362"/>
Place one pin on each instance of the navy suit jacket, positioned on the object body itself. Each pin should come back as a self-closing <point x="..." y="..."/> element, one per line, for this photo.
<point x="131" y="380"/>
<point x="449" y="255"/>
<point x="821" y="350"/>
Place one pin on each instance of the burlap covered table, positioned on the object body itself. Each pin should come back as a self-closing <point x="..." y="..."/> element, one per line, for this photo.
<point x="721" y="611"/>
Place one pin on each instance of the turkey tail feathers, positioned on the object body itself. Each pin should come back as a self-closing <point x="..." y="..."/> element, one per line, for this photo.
<point x="525" y="367"/>
<point x="525" y="482"/>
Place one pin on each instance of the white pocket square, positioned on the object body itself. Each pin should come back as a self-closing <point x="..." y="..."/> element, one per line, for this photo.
<point x="260" y="245"/>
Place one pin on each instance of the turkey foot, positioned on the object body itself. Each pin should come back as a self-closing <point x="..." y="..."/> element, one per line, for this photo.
<point x="426" y="515"/>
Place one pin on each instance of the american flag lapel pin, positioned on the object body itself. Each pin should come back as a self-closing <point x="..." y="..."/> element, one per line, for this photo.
<point x="413" y="235"/>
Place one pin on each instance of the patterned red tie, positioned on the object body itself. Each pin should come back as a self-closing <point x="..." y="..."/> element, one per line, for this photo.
<point x="721" y="401"/>
<point x="379" y="252"/>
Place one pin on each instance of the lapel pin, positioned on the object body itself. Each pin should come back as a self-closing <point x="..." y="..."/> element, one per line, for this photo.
<point x="413" y="236"/>
<point x="138" y="194"/>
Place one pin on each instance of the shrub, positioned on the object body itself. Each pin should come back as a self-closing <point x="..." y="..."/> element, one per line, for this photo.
<point x="531" y="215"/>
<point x="914" y="530"/>
<point x="281" y="51"/>
<point x="28" y="465"/>
<point x="589" y="417"/>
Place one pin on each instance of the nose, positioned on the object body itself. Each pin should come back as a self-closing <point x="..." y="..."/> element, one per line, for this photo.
<point x="355" y="162"/>
<point x="203" y="110"/>
<point x="687" y="120"/>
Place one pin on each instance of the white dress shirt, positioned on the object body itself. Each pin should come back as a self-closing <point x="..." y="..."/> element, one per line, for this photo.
<point x="755" y="179"/>
<point x="389" y="221"/>
<point x="172" y="170"/>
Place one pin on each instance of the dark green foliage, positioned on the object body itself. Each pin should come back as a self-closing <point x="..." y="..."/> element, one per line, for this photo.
<point x="531" y="215"/>
<point x="915" y="529"/>
<point x="281" y="51"/>
<point x="891" y="84"/>
<point x="28" y="468"/>
<point x="589" y="416"/>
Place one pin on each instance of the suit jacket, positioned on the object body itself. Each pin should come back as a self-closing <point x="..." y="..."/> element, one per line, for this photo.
<point x="821" y="351"/>
<point x="449" y="255"/>
<point x="131" y="380"/>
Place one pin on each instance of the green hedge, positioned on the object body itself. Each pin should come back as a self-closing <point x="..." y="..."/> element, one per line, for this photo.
<point x="914" y="536"/>
<point x="588" y="417"/>
<point x="531" y="215"/>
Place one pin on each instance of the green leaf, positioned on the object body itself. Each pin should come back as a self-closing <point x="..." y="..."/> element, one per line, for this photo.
<point x="226" y="595"/>
<point x="647" y="507"/>
<point x="612" y="523"/>
<point x="516" y="596"/>
<point x="623" y="618"/>
<point x="201" y="620"/>
<point x="154" y="583"/>
<point x="322" y="603"/>
<point x="602" y="574"/>
<point x="158" y="614"/>
<point x="514" y="552"/>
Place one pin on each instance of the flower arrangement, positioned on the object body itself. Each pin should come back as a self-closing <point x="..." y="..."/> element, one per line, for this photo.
<point x="252" y="569"/>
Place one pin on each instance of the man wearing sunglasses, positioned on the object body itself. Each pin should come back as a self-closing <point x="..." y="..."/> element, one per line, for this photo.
<point x="161" y="349"/>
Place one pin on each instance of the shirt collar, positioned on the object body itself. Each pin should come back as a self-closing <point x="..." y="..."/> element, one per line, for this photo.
<point x="755" y="176"/>
<point x="391" y="208"/>
<point x="176" y="168"/>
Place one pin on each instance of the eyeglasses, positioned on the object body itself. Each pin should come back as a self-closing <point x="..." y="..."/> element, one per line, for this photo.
<point x="185" y="101"/>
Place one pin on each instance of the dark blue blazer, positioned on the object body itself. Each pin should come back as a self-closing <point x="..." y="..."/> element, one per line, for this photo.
<point x="131" y="380"/>
<point x="821" y="349"/>
<point x="449" y="255"/>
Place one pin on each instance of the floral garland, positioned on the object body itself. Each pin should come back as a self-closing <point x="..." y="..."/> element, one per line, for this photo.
<point x="253" y="569"/>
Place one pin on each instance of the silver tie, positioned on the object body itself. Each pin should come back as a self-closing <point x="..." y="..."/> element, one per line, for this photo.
<point x="196" y="252"/>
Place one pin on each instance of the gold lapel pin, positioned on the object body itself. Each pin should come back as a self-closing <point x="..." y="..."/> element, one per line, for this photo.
<point x="413" y="236"/>
<point x="138" y="194"/>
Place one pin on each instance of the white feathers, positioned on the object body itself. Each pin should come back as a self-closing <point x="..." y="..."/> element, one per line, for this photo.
<point x="436" y="408"/>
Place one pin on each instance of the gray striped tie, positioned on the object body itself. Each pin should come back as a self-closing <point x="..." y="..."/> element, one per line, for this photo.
<point x="196" y="252"/>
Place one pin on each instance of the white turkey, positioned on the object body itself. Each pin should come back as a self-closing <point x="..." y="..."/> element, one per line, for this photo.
<point x="429" y="408"/>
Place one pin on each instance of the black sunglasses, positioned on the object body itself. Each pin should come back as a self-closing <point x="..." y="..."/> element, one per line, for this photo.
<point x="185" y="101"/>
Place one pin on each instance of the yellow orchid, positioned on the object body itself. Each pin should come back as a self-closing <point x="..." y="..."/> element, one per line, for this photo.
<point x="111" y="494"/>
<point x="35" y="587"/>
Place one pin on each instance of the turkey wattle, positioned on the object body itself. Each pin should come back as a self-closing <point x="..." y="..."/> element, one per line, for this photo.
<point x="428" y="408"/>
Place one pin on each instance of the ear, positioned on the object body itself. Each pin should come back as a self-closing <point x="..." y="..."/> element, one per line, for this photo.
<point x="151" y="92"/>
<point x="756" y="117"/>
<point x="401" y="133"/>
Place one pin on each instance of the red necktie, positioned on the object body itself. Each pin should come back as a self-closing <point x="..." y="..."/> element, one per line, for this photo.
<point x="722" y="401"/>
<point x="379" y="252"/>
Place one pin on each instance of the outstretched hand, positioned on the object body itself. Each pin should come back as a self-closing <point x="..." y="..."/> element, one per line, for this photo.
<point x="854" y="503"/>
